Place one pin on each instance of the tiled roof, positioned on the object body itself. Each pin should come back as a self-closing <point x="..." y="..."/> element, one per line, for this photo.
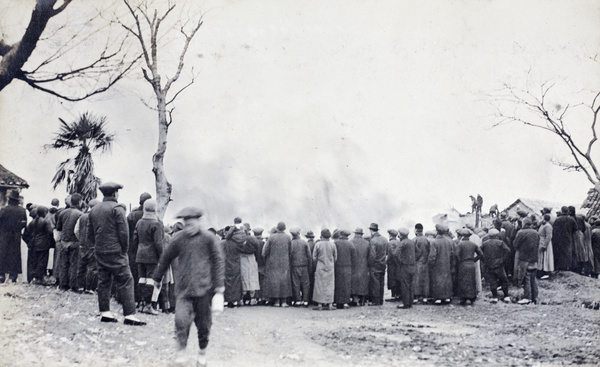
<point x="9" y="179"/>
<point x="592" y="203"/>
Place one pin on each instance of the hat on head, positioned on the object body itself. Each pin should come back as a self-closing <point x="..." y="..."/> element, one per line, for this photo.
<point x="358" y="231"/>
<point x="393" y="232"/>
<point x="55" y="202"/>
<point x="336" y="234"/>
<point x="258" y="231"/>
<point x="345" y="233"/>
<point x="150" y="205"/>
<point x="109" y="188"/>
<point x="493" y="232"/>
<point x="13" y="195"/>
<point x="527" y="222"/>
<point x="522" y="213"/>
<point x="470" y="226"/>
<point x="295" y="230"/>
<point x="310" y="234"/>
<point x="464" y="232"/>
<point x="430" y="233"/>
<point x="281" y="226"/>
<point x="441" y="228"/>
<point x="419" y="227"/>
<point x="503" y="215"/>
<point x="374" y="227"/>
<point x="145" y="196"/>
<point x="93" y="203"/>
<point x="190" y="212"/>
<point x="403" y="231"/>
<point x="546" y="210"/>
<point x="325" y="233"/>
<point x="237" y="220"/>
<point x="41" y="211"/>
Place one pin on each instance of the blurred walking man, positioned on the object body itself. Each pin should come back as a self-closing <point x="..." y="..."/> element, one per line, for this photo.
<point x="201" y="277"/>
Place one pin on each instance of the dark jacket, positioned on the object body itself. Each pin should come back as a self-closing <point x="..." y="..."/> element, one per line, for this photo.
<point x="107" y="227"/>
<point x="495" y="252"/>
<point x="65" y="223"/>
<point x="201" y="262"/>
<point x="405" y="252"/>
<point x="526" y="243"/>
<point x="379" y="247"/>
<point x="301" y="255"/>
<point x="149" y="235"/>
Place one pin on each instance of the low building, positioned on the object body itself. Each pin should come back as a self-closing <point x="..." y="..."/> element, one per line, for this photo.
<point x="534" y="206"/>
<point x="9" y="181"/>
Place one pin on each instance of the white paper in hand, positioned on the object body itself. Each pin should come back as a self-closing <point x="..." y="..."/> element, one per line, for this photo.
<point x="217" y="303"/>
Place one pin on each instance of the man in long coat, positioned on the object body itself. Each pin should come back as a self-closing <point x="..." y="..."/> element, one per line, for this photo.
<point x="421" y="278"/>
<point x="232" y="247"/>
<point x="563" y="230"/>
<point x="495" y="252"/>
<point x="379" y="246"/>
<point x="258" y="243"/>
<point x="360" y="267"/>
<point x="13" y="218"/>
<point x="405" y="260"/>
<point x="278" y="280"/>
<point x="392" y="266"/>
<point x="109" y="233"/>
<point x="441" y="265"/>
<point x="527" y="243"/>
<point x="343" y="270"/>
<point x="324" y="257"/>
<point x="467" y="253"/>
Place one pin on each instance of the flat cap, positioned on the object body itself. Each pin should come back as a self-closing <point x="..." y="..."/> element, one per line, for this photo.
<point x="419" y="227"/>
<point x="345" y="233"/>
<point x="145" y="196"/>
<point x="403" y="231"/>
<point x="237" y="220"/>
<point x="281" y="226"/>
<point x="393" y="232"/>
<point x="295" y="230"/>
<point x="464" y="232"/>
<point x="258" y="231"/>
<point x="109" y="187"/>
<point x="441" y="228"/>
<point x="358" y="231"/>
<point x="493" y="232"/>
<point x="190" y="212"/>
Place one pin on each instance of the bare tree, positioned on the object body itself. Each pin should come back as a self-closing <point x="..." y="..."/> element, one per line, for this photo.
<point x="148" y="31"/>
<point x="62" y="61"/>
<point x="535" y="110"/>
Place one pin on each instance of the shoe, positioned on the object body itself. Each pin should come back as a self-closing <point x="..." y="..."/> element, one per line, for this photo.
<point x="284" y="305"/>
<point x="545" y="277"/>
<point x="494" y="300"/>
<point x="201" y="361"/>
<point x="329" y="308"/>
<point x="108" y="319"/>
<point x="346" y="306"/>
<point x="133" y="322"/>
<point x="524" y="301"/>
<point x="438" y="302"/>
<point x="150" y="310"/>
<point x="403" y="307"/>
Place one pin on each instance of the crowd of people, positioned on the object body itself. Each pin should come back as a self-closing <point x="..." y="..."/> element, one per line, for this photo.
<point x="149" y="267"/>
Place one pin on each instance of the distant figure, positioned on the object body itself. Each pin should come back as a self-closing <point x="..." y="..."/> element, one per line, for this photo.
<point x="132" y="219"/>
<point x="495" y="252"/>
<point x="494" y="211"/>
<point x="278" y="279"/>
<point x="441" y="266"/>
<point x="526" y="244"/>
<point x="473" y="204"/>
<point x="360" y="267"/>
<point x="467" y="253"/>
<point x="421" y="278"/>
<point x="13" y="219"/>
<point x="379" y="246"/>
<point x="301" y="259"/>
<point x="343" y="270"/>
<point x="405" y="262"/>
<point x="563" y="230"/>
<point x="324" y="257"/>
<point x="479" y="203"/>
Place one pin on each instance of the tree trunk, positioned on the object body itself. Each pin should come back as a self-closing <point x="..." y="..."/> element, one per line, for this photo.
<point x="163" y="187"/>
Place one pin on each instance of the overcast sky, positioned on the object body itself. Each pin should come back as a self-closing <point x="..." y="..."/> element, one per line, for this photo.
<point x="338" y="113"/>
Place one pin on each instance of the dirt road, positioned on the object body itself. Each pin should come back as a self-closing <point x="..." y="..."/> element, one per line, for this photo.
<point x="45" y="327"/>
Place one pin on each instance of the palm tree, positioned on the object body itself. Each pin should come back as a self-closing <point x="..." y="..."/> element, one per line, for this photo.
<point x="87" y="134"/>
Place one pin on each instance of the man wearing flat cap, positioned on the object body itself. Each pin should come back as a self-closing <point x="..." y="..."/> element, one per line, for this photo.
<point x="495" y="251"/>
<point x="301" y="260"/>
<point x="379" y="246"/>
<point x="278" y="279"/>
<point x="360" y="267"/>
<point x="392" y="266"/>
<point x="343" y="270"/>
<point x="200" y="281"/>
<point x="526" y="244"/>
<point x="441" y="266"/>
<point x="405" y="260"/>
<point x="258" y="242"/>
<point x="132" y="220"/>
<point x="324" y="257"/>
<point x="108" y="232"/>
<point x="467" y="254"/>
<point x="421" y="278"/>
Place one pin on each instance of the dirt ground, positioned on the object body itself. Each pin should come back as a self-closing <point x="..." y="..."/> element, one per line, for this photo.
<point x="42" y="326"/>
